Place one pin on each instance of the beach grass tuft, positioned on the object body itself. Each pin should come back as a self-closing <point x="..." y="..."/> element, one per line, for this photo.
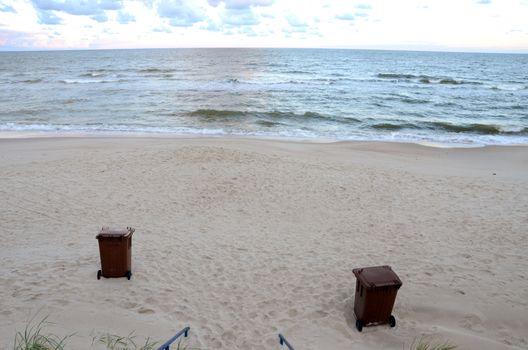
<point x="34" y="338"/>
<point x="429" y="345"/>
<point x="117" y="342"/>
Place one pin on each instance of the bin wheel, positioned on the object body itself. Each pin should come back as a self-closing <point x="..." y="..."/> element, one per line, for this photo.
<point x="128" y="275"/>
<point x="359" y="325"/>
<point x="99" y="273"/>
<point x="392" y="321"/>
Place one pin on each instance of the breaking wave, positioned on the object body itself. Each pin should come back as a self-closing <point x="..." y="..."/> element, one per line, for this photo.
<point x="426" y="79"/>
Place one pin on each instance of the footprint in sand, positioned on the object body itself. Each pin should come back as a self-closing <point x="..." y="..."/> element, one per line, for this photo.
<point x="145" y="311"/>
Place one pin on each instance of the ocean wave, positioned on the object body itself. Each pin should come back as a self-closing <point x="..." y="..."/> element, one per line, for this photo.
<point x="485" y="129"/>
<point x="92" y="74"/>
<point x="449" y="81"/>
<point x="388" y="133"/>
<point x="396" y="76"/>
<point x="268" y="123"/>
<point x="31" y="81"/>
<point x="157" y="70"/>
<point x="214" y="115"/>
<point x="410" y="100"/>
<point x="480" y="129"/>
<point x="426" y="79"/>
<point x="403" y="98"/>
<point x="90" y="81"/>
<point x="99" y="128"/>
<point x="509" y="87"/>
<point x="393" y="127"/>
<point x="296" y="72"/>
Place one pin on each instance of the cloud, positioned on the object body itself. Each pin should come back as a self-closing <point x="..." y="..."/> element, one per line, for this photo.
<point x="48" y="17"/>
<point x="248" y="31"/>
<point x="212" y="27"/>
<point x="361" y="14"/>
<point x="294" y="21"/>
<point x="47" y="9"/>
<point x="180" y="13"/>
<point x="12" y="39"/>
<point x="100" y="17"/>
<point x="239" y="17"/>
<point x="484" y="2"/>
<point x="7" y="8"/>
<point x="125" y="18"/>
<point x="110" y="4"/>
<point x="16" y="40"/>
<point x="78" y="8"/>
<point x="241" y="4"/>
<point x="346" y="17"/>
<point x="363" y="7"/>
<point x="162" y="30"/>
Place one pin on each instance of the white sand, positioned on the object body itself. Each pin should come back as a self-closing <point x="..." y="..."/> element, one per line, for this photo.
<point x="243" y="239"/>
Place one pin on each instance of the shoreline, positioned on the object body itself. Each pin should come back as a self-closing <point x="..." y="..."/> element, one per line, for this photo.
<point x="426" y="143"/>
<point x="244" y="238"/>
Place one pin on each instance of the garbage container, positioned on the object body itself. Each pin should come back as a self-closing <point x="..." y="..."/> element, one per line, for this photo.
<point x="115" y="249"/>
<point x="376" y="289"/>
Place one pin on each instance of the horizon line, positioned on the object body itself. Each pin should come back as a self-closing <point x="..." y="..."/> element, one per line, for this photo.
<point x="484" y="51"/>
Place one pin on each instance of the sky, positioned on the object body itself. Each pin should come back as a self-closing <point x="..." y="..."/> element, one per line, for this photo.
<point x="430" y="25"/>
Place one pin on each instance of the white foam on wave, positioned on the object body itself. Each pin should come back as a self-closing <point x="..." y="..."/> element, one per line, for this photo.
<point x="434" y="140"/>
<point x="88" y="81"/>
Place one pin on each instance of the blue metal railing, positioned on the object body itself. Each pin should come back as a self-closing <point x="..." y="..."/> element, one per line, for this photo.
<point x="184" y="332"/>
<point x="283" y="341"/>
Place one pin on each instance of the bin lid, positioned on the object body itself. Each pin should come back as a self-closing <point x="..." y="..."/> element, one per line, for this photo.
<point x="377" y="276"/>
<point x="108" y="232"/>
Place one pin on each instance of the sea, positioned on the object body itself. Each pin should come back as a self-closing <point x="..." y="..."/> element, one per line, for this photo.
<point x="313" y="94"/>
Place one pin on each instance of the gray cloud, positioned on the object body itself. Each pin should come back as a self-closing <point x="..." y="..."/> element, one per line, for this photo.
<point x="180" y="13"/>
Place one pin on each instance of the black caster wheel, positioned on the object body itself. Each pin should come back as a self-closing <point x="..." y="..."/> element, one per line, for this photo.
<point x="392" y="321"/>
<point x="359" y="325"/>
<point x="128" y="275"/>
<point x="99" y="273"/>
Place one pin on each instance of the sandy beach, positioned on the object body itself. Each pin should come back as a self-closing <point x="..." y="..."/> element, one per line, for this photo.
<point x="242" y="239"/>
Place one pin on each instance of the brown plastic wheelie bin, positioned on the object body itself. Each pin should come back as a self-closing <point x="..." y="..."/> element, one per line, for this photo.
<point x="376" y="289"/>
<point x="115" y="249"/>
